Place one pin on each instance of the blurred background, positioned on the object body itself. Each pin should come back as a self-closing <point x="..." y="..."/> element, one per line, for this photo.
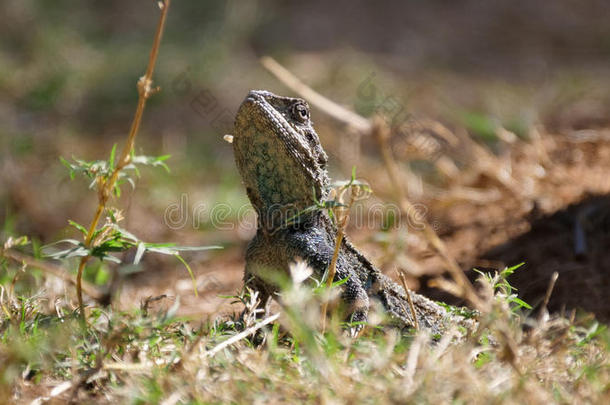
<point x="501" y="109"/>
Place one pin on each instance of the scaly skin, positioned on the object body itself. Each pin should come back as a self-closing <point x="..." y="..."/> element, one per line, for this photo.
<point x="283" y="167"/>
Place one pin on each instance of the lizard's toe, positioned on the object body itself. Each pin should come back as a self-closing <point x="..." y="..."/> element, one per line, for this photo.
<point x="357" y="322"/>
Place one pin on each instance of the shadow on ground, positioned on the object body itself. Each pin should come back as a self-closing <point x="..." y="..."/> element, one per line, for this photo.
<point x="575" y="243"/>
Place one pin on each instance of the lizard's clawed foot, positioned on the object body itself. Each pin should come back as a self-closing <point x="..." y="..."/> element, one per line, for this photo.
<point x="357" y="323"/>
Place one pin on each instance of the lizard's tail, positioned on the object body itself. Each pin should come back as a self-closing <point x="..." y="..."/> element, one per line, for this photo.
<point x="429" y="314"/>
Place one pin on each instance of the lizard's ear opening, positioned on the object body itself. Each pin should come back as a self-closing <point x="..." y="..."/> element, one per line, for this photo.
<point x="311" y="138"/>
<point x="314" y="143"/>
<point x="322" y="159"/>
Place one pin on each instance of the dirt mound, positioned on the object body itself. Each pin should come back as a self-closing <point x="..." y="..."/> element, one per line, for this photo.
<point x="575" y="242"/>
<point x="562" y="226"/>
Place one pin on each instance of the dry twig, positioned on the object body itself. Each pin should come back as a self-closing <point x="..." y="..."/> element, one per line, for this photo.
<point x="403" y="280"/>
<point x="547" y="296"/>
<point x="241" y="335"/>
<point x="331" y="108"/>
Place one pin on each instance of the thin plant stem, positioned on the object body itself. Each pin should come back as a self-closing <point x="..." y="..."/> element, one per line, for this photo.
<point x="332" y="268"/>
<point x="342" y="215"/>
<point x="403" y="280"/>
<point x="547" y="296"/>
<point x="105" y="187"/>
<point x="54" y="270"/>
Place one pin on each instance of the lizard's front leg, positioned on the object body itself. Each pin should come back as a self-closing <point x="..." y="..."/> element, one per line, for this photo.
<point x="261" y="261"/>
<point x="316" y="248"/>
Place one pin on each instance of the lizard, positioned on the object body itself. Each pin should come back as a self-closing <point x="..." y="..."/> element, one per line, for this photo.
<point x="284" y="170"/>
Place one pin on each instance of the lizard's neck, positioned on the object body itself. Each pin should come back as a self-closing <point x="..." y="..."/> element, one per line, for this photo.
<point x="273" y="217"/>
<point x="317" y="219"/>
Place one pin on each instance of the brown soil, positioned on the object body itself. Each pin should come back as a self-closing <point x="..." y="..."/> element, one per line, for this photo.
<point x="565" y="229"/>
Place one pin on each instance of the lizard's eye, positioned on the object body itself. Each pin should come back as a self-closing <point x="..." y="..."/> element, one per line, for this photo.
<point x="300" y="112"/>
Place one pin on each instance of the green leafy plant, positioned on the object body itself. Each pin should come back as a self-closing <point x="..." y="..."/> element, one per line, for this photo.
<point x="503" y="289"/>
<point x="103" y="238"/>
<point x="106" y="177"/>
<point x="111" y="238"/>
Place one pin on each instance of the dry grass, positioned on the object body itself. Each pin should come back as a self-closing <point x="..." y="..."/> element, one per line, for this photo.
<point x="157" y="358"/>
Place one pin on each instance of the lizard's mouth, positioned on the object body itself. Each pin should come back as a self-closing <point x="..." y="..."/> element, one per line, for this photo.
<point x="264" y="96"/>
<point x="256" y="95"/>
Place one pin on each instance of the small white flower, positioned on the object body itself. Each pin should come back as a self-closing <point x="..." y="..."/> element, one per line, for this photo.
<point x="300" y="271"/>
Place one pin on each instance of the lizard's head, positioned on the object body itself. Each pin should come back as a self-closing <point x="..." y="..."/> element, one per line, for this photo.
<point x="278" y="154"/>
